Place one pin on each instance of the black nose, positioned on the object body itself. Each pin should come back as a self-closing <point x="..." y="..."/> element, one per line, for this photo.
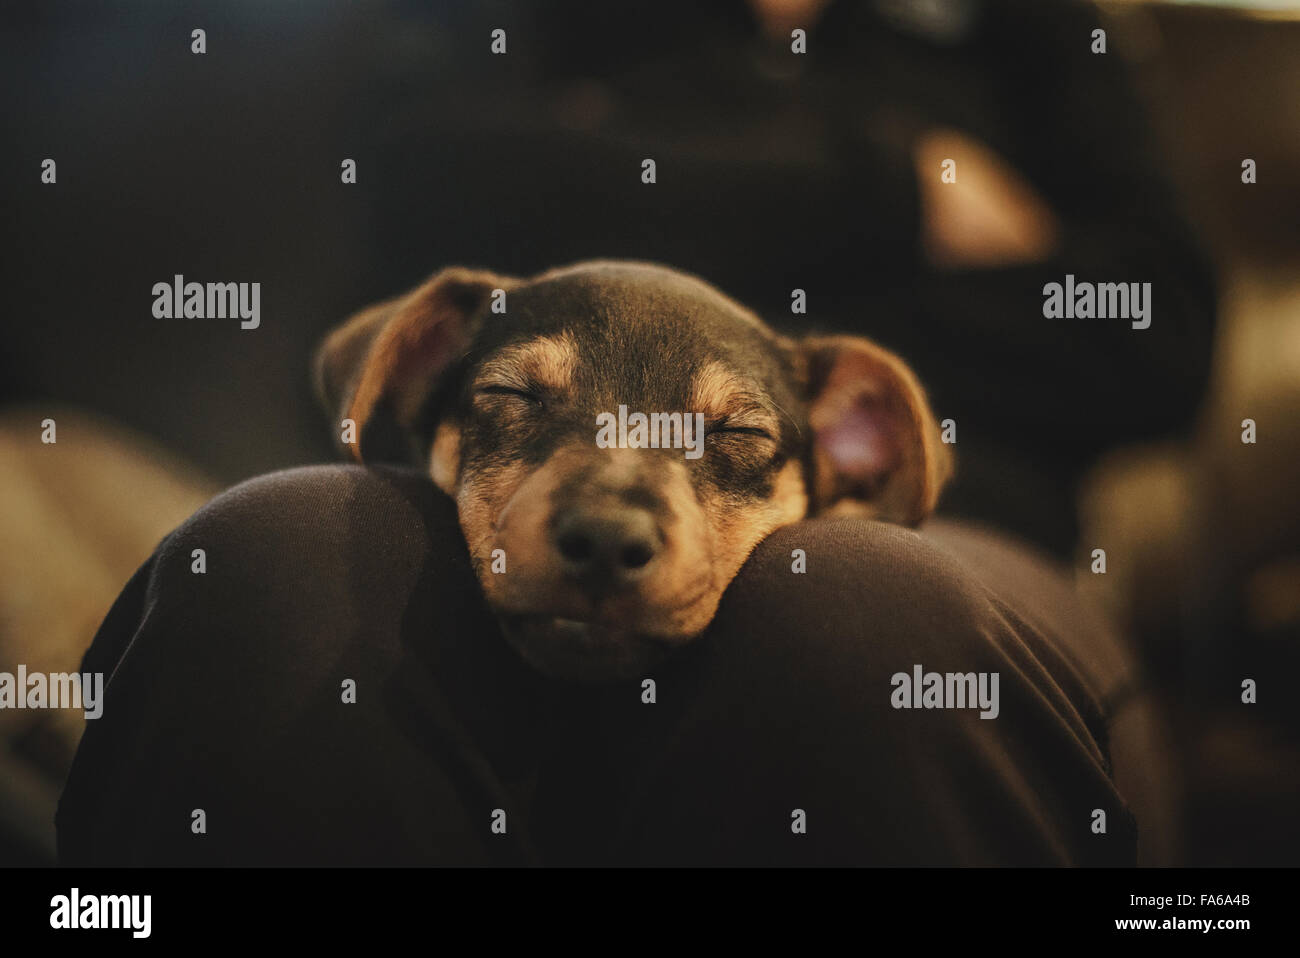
<point x="607" y="549"/>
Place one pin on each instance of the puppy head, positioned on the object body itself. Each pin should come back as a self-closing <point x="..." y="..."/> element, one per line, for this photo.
<point x="603" y="540"/>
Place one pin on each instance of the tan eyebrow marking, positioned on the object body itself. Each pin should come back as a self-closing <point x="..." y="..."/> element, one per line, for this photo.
<point x="720" y="394"/>
<point x="548" y="362"/>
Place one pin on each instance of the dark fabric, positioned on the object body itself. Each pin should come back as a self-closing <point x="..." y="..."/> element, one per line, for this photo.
<point x="225" y="695"/>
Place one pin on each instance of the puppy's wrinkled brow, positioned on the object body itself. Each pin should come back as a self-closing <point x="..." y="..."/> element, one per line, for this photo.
<point x="548" y="362"/>
<point x="721" y="394"/>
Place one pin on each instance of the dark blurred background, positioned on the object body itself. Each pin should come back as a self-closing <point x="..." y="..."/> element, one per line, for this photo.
<point x="775" y="171"/>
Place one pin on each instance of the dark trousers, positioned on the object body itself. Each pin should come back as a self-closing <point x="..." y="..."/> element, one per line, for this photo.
<point x="226" y="693"/>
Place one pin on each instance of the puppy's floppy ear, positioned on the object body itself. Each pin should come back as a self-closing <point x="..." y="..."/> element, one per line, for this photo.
<point x="380" y="367"/>
<point x="876" y="445"/>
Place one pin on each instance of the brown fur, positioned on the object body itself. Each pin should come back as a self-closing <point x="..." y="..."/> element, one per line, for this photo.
<point x="549" y="361"/>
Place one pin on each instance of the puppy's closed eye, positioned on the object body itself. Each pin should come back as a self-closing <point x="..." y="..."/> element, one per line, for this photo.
<point x="724" y="428"/>
<point x="740" y="450"/>
<point x="512" y="392"/>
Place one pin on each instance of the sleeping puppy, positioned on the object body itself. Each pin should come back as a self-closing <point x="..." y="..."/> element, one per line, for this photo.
<point x="618" y="436"/>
